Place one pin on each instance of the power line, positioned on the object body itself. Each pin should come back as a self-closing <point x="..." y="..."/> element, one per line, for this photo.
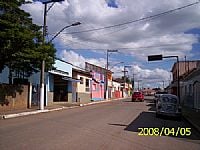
<point x="137" y="20"/>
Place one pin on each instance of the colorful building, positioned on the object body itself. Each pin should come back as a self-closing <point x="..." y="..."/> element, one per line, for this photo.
<point x="116" y="89"/>
<point x="81" y="91"/>
<point x="97" y="83"/>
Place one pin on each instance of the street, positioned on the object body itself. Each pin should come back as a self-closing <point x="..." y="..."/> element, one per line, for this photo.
<point x="111" y="125"/>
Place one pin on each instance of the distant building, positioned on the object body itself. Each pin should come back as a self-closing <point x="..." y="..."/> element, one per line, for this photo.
<point x="148" y="91"/>
<point x="116" y="89"/>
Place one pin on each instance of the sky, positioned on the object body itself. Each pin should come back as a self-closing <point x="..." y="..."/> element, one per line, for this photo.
<point x="125" y="26"/>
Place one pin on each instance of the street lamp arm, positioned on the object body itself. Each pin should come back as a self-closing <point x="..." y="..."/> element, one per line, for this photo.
<point x="74" y="24"/>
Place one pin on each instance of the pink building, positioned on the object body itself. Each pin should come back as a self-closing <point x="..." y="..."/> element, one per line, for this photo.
<point x="97" y="86"/>
<point x="97" y="83"/>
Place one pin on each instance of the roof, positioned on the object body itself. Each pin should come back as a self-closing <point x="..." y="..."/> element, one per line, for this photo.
<point x="103" y="69"/>
<point x="188" y="61"/>
<point x="85" y="72"/>
<point x="191" y="74"/>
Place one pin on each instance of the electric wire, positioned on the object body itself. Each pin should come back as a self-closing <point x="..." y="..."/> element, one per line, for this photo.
<point x="137" y="20"/>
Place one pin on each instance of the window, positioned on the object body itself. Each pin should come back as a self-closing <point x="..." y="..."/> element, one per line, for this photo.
<point x="87" y="85"/>
<point x="81" y="78"/>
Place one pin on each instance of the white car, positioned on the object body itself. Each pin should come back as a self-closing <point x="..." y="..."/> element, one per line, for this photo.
<point x="168" y="105"/>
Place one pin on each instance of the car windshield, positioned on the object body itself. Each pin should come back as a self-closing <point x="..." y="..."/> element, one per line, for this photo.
<point x="137" y="93"/>
<point x="161" y="93"/>
<point x="169" y="100"/>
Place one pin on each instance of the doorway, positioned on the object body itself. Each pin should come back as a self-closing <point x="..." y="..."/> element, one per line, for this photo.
<point x="60" y="89"/>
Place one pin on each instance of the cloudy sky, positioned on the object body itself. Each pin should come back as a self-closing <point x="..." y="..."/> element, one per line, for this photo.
<point x="126" y="26"/>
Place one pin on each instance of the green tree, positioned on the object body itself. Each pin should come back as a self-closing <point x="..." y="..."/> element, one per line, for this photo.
<point x="21" y="47"/>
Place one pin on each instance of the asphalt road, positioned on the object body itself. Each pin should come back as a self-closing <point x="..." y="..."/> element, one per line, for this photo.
<point x="112" y="125"/>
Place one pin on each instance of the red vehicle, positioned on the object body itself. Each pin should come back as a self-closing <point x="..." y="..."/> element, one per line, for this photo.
<point x="137" y="96"/>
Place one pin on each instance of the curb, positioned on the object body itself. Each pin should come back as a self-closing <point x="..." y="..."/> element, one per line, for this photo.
<point x="9" y="116"/>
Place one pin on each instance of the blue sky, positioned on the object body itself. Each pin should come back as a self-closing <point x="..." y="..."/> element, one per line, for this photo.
<point x="174" y="34"/>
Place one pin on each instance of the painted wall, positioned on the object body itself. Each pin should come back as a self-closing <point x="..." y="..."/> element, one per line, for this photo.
<point x="97" y="86"/>
<point x="64" y="67"/>
<point x="81" y="86"/>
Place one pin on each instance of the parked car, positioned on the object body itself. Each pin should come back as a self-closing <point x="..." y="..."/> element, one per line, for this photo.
<point x="137" y="96"/>
<point x="168" y="105"/>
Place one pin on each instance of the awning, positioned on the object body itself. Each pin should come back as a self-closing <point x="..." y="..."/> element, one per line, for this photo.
<point x="59" y="72"/>
<point x="71" y="79"/>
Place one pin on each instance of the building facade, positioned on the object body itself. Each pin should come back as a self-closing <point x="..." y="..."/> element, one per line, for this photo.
<point x="184" y="68"/>
<point x="116" y="89"/>
<point x="98" y="81"/>
<point x="81" y="92"/>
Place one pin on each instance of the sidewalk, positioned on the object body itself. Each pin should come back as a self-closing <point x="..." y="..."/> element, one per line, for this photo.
<point x="192" y="116"/>
<point x="54" y="107"/>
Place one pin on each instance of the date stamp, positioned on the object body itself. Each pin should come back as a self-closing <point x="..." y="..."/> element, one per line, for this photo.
<point x="164" y="131"/>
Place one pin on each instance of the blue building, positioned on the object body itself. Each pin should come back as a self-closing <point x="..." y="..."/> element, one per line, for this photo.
<point x="58" y="83"/>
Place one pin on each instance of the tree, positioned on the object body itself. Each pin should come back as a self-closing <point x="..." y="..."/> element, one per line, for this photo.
<point x="21" y="47"/>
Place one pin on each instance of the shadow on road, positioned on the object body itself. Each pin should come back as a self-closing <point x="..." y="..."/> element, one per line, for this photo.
<point x="151" y="106"/>
<point x="152" y="124"/>
<point x="170" y="126"/>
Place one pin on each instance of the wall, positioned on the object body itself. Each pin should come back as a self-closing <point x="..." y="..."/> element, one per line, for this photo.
<point x="190" y="92"/>
<point x="183" y="68"/>
<point x="13" y="97"/>
<point x="84" y="97"/>
<point x="82" y="87"/>
<point x="63" y="66"/>
<point x="97" y="86"/>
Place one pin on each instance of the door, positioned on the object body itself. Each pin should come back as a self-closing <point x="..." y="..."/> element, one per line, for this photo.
<point x="74" y="92"/>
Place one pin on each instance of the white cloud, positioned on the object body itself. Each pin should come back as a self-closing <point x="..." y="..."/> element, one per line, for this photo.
<point x="162" y="35"/>
<point x="78" y="60"/>
<point x="167" y="29"/>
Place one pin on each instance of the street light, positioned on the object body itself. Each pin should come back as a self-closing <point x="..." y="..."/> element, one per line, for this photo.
<point x="73" y="24"/>
<point x="45" y="2"/>
<point x="160" y="57"/>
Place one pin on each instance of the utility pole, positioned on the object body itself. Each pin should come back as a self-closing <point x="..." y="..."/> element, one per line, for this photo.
<point x="124" y="71"/>
<point x="160" y="57"/>
<point x="163" y="84"/>
<point x="133" y="81"/>
<point x="43" y="62"/>
<point x="139" y="84"/>
<point x="43" y="42"/>
<point x="106" y="72"/>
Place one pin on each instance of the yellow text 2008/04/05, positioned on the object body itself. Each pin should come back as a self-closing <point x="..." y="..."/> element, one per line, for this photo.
<point x="164" y="131"/>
